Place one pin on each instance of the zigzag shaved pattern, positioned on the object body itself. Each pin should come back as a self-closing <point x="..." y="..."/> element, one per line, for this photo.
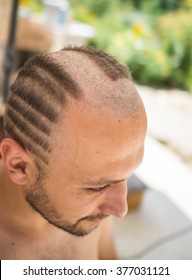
<point x="37" y="97"/>
<point x="30" y="114"/>
<point x="29" y="130"/>
<point x="35" y="100"/>
<point x="46" y="82"/>
<point x="25" y="141"/>
<point x="56" y="71"/>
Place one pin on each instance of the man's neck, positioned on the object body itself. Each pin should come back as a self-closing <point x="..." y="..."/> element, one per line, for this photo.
<point x="14" y="209"/>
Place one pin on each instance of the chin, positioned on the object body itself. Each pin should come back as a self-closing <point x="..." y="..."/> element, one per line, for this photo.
<point x="76" y="229"/>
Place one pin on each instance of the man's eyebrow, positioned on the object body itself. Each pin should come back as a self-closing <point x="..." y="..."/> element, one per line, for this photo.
<point x="103" y="182"/>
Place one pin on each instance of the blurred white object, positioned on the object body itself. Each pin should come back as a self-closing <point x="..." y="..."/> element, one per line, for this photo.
<point x="65" y="32"/>
<point x="55" y="13"/>
<point x="74" y="34"/>
<point x="79" y="29"/>
<point x="164" y="171"/>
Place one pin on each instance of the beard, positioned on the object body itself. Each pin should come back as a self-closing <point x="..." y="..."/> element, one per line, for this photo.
<point x="39" y="200"/>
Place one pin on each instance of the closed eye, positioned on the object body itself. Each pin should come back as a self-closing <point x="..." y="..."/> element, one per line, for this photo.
<point x="100" y="189"/>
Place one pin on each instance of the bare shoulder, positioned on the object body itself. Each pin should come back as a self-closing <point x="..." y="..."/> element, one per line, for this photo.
<point x="107" y="250"/>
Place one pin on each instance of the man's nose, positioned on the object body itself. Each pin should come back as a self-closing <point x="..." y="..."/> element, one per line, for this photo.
<point x="115" y="201"/>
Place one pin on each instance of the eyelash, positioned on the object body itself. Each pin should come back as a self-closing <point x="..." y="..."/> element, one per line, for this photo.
<point x="98" y="190"/>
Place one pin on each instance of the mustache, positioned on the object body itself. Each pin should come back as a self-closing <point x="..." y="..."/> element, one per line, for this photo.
<point x="93" y="217"/>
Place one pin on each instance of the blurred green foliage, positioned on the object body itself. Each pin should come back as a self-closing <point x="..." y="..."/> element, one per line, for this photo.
<point x="175" y="31"/>
<point x="154" y="38"/>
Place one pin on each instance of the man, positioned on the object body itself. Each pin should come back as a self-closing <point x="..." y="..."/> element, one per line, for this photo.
<point x="74" y="131"/>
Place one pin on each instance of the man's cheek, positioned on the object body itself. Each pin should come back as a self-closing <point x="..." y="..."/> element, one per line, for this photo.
<point x="84" y="209"/>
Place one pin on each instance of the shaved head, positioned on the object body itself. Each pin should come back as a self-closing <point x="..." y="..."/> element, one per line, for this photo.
<point x="103" y="81"/>
<point x="46" y="83"/>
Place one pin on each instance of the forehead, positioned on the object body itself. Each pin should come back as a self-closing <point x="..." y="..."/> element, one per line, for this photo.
<point x="87" y="134"/>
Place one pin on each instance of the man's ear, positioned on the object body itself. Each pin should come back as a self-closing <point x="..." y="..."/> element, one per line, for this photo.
<point x="15" y="159"/>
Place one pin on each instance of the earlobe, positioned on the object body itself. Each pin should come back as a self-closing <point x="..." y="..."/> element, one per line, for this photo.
<point x="15" y="158"/>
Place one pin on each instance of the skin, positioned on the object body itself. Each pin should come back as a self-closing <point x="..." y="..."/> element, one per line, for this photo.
<point x="86" y="179"/>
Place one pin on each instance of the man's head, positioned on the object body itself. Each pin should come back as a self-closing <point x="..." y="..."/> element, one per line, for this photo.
<point x="77" y="126"/>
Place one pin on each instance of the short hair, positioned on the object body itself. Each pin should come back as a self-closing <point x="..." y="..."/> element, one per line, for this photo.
<point x="39" y="93"/>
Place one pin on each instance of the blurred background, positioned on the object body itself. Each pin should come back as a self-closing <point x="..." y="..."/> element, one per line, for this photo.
<point x="154" y="38"/>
